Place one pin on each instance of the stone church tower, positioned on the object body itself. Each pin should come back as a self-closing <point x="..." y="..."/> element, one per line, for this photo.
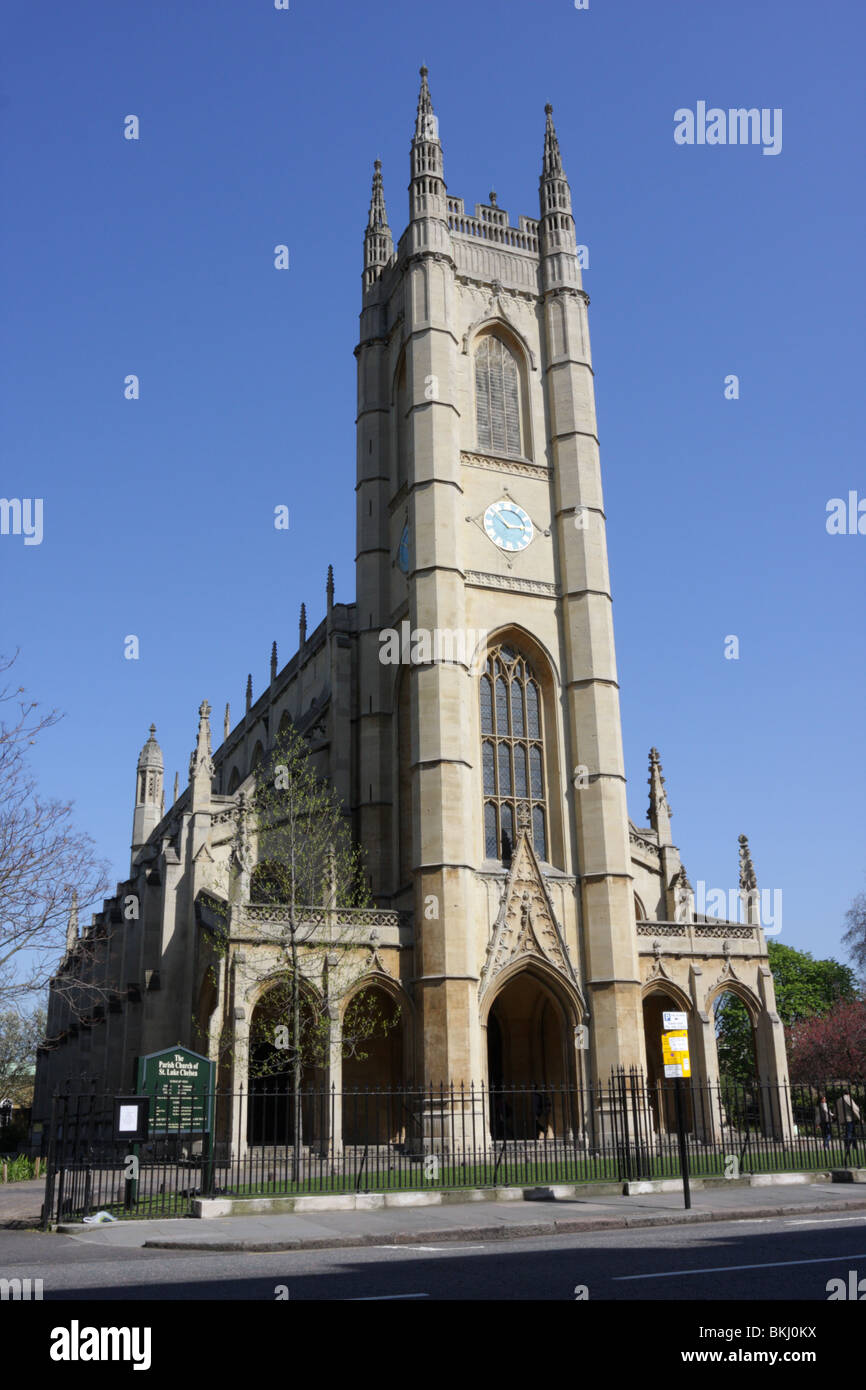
<point x="478" y="455"/>
<point x="466" y="709"/>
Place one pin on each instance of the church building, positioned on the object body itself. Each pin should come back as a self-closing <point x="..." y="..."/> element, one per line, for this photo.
<point x="465" y="706"/>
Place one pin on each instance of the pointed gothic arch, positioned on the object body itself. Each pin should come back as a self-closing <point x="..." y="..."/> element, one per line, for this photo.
<point x="500" y="393"/>
<point x="519" y="744"/>
<point x="271" y="1109"/>
<point x="530" y="1022"/>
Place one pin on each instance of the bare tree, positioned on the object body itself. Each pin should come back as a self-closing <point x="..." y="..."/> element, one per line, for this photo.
<point x="294" y="847"/>
<point x="855" y="936"/>
<point x="19" y="1038"/>
<point x="44" y="861"/>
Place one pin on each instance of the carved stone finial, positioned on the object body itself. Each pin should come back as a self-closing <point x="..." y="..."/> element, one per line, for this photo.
<point x="302" y="625"/>
<point x="249" y="696"/>
<point x="748" y="879"/>
<point x="329" y="587"/>
<point x="227" y="721"/>
<point x="524" y="816"/>
<point x="201" y="762"/>
<point x="72" y="923"/>
<point x="682" y="880"/>
<point x="659" y="807"/>
<point x="273" y="661"/>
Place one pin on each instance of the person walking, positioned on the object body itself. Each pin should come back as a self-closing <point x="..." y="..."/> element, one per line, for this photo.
<point x="824" y="1119"/>
<point x="848" y="1115"/>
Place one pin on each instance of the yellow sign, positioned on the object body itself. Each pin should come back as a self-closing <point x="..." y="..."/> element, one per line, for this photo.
<point x="675" y="1053"/>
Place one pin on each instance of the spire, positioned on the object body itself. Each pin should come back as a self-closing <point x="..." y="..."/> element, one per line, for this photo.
<point x="378" y="241"/>
<point x="273" y="662"/>
<point x="151" y="754"/>
<point x="426" y="125"/>
<point x="329" y="588"/>
<point x="249" y="693"/>
<point x="427" y="188"/>
<point x="552" y="156"/>
<point x="72" y="924"/>
<point x="149" y="797"/>
<point x="659" y="807"/>
<point x="227" y="721"/>
<point x="176" y="787"/>
<point x="557" y="241"/>
<point x="302" y="625"/>
<point x="378" y="218"/>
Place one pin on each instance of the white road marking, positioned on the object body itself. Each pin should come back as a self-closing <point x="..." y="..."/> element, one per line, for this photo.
<point x="728" y="1269"/>
<point x="824" y="1220"/>
<point x="385" y="1297"/>
<point x="435" y="1250"/>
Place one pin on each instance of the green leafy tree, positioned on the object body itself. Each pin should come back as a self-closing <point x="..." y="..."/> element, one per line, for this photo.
<point x="805" y="988"/>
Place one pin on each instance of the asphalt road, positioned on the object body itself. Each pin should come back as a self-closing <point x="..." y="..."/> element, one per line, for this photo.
<point x="788" y="1258"/>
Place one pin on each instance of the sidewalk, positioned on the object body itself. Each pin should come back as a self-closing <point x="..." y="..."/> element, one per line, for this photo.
<point x="476" y="1221"/>
<point x="21" y="1203"/>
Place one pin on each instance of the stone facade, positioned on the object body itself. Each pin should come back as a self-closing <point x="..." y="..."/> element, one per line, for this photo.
<point x="466" y="709"/>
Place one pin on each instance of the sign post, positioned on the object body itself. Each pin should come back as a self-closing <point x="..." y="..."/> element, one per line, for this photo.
<point x="130" y="1126"/>
<point x="677" y="1064"/>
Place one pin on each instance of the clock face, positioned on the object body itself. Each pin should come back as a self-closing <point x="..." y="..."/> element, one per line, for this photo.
<point x="403" y="550"/>
<point x="508" y="525"/>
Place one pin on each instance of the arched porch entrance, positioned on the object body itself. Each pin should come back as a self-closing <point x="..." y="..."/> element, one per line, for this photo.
<point x="272" y="1113"/>
<point x="373" y="1050"/>
<point x="530" y="1060"/>
<point x="660" y="1090"/>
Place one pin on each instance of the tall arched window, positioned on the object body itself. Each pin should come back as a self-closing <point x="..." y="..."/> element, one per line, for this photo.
<point x="497" y="398"/>
<point x="512" y="752"/>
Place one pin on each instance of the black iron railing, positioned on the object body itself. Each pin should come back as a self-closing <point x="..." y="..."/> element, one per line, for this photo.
<point x="267" y="1141"/>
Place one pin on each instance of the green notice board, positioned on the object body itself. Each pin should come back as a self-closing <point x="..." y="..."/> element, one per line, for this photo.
<point x="180" y="1083"/>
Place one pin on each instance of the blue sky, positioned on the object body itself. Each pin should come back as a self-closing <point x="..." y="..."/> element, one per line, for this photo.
<point x="260" y="127"/>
